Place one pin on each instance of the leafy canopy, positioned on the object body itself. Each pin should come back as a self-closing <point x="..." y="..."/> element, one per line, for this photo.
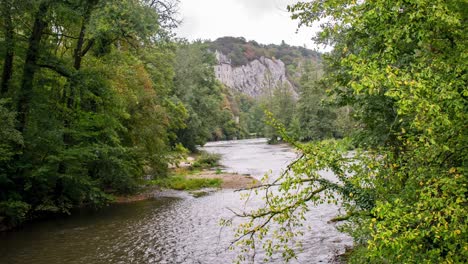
<point x="402" y="66"/>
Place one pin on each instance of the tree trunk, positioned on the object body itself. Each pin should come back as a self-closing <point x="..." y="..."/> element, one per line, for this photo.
<point x="30" y="65"/>
<point x="9" y="48"/>
<point x="78" y="52"/>
<point x="77" y="58"/>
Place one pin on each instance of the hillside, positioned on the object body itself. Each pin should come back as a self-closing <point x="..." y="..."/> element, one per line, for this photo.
<point x="256" y="69"/>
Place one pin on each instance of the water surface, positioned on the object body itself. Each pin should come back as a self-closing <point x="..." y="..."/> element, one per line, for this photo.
<point x="171" y="228"/>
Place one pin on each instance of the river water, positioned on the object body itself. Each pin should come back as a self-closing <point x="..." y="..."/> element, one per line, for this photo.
<point x="173" y="227"/>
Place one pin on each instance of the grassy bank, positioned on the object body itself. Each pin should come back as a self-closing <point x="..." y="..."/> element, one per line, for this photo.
<point x="182" y="178"/>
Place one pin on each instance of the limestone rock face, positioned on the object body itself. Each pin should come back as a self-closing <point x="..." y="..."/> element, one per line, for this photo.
<point x="258" y="77"/>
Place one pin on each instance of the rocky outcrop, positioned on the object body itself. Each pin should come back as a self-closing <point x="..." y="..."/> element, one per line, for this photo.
<point x="258" y="77"/>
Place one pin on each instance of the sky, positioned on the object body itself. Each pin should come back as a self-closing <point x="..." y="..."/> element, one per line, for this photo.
<point x="265" y="21"/>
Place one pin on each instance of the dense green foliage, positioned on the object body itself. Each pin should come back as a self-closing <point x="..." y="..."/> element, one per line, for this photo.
<point x="94" y="96"/>
<point x="401" y="66"/>
<point x="195" y="85"/>
<point x="207" y="160"/>
<point x="251" y="115"/>
<point x="315" y="115"/>
<point x="87" y="109"/>
<point x="184" y="182"/>
<point x="307" y="115"/>
<point x="215" y="112"/>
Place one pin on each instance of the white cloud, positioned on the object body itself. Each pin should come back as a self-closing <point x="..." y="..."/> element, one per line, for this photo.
<point x="262" y="7"/>
<point x="265" y="21"/>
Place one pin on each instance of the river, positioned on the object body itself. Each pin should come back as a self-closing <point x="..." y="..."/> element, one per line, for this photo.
<point x="173" y="227"/>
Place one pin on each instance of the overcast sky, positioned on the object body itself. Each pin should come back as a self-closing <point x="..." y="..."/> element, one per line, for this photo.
<point x="265" y="21"/>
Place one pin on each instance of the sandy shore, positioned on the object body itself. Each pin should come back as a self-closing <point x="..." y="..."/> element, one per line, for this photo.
<point x="148" y="193"/>
<point x="230" y="180"/>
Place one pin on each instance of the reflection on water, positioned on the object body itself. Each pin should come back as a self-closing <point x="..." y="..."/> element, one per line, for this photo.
<point x="172" y="229"/>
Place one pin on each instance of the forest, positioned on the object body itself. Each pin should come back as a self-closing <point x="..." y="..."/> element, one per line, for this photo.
<point x="96" y="96"/>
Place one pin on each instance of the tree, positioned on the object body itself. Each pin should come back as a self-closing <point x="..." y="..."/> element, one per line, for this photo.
<point x="196" y="86"/>
<point x="315" y="115"/>
<point x="9" y="46"/>
<point x="282" y="106"/>
<point x="402" y="67"/>
<point x="251" y="113"/>
<point x="87" y="109"/>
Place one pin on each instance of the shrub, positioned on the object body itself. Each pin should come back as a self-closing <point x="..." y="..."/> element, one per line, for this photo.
<point x="207" y="160"/>
<point x="182" y="183"/>
<point x="14" y="212"/>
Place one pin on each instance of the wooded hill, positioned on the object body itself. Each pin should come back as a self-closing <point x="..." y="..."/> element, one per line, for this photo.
<point x="240" y="52"/>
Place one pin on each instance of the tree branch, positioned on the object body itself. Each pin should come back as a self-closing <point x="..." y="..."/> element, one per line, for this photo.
<point x="60" y="69"/>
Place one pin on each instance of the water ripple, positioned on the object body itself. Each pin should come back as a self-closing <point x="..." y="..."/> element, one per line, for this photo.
<point x="172" y="228"/>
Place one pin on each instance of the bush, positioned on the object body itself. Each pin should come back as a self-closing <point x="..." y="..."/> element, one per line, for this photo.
<point x="207" y="160"/>
<point x="182" y="183"/>
<point x="14" y="212"/>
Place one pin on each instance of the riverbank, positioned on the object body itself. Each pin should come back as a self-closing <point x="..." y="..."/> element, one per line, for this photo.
<point x="204" y="171"/>
<point x="228" y="180"/>
<point x="174" y="226"/>
<point x="193" y="181"/>
<point x="195" y="173"/>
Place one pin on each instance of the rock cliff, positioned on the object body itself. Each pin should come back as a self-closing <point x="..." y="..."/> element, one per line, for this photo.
<point x="258" y="77"/>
